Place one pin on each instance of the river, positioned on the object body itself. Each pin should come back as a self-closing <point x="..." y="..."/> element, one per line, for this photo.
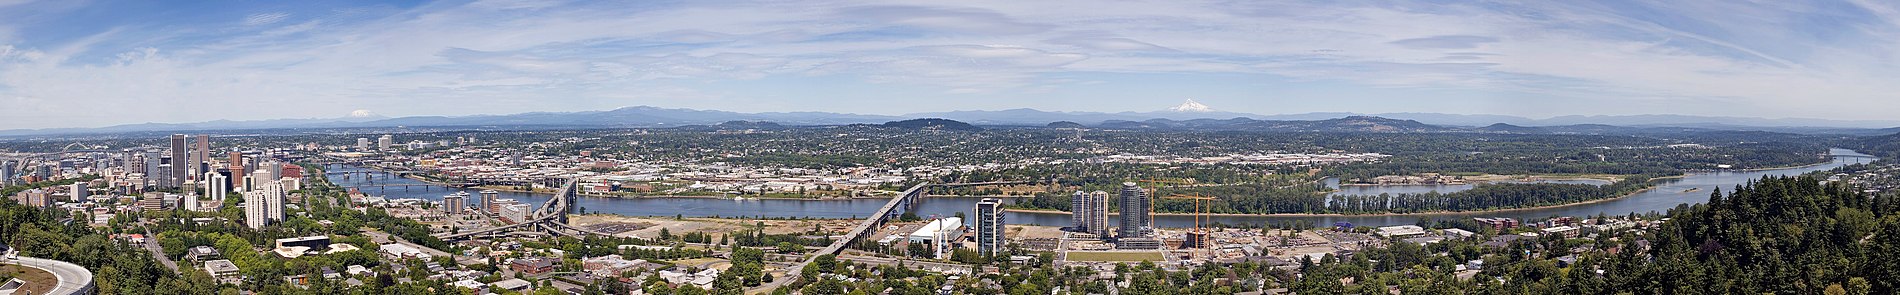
<point x="1665" y="196"/>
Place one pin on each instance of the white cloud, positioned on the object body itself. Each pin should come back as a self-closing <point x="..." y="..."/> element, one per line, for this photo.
<point x="553" y="55"/>
<point x="265" y="18"/>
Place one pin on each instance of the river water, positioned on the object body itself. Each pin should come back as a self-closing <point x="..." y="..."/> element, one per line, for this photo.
<point x="1665" y="196"/>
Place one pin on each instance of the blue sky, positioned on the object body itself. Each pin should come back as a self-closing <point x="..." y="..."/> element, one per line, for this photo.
<point x="78" y="63"/>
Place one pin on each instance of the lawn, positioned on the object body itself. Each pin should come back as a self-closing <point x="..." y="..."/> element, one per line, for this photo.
<point x="1115" y="256"/>
<point x="37" y="281"/>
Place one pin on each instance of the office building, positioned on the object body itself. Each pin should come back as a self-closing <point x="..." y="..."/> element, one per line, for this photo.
<point x="989" y="226"/>
<point x="385" y="142"/>
<point x="164" y="177"/>
<point x="362" y="143"/>
<point x="455" y="203"/>
<point x="153" y="161"/>
<point x="179" y="169"/>
<point x="200" y="155"/>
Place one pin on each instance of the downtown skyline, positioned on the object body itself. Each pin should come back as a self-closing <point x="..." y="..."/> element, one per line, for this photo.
<point x="67" y="64"/>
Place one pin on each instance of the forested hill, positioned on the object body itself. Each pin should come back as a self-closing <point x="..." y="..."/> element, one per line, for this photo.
<point x="1886" y="146"/>
<point x="1778" y="235"/>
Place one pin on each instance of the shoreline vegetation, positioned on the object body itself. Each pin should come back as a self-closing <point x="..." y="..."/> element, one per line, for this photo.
<point x="1387" y="214"/>
<point x="1652" y="184"/>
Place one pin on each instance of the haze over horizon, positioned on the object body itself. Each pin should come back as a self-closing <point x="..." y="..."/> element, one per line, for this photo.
<point x="102" y="63"/>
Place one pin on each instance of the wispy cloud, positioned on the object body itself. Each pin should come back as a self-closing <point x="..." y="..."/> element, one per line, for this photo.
<point x="1770" y="59"/>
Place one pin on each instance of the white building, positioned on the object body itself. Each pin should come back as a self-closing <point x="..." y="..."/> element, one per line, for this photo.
<point x="938" y="234"/>
<point x="1400" y="231"/>
<point x="217" y="186"/>
<point x="264" y="206"/>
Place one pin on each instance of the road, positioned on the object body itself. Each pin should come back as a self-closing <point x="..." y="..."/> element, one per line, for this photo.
<point x="151" y="244"/>
<point x="73" y="279"/>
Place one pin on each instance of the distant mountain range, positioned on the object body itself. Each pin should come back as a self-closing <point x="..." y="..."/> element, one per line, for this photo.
<point x="1190" y="115"/>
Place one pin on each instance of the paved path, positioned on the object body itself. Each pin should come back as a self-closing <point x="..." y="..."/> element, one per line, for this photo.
<point x="73" y="279"/>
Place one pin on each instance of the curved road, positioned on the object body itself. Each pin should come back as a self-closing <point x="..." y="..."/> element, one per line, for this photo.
<point x="73" y="279"/>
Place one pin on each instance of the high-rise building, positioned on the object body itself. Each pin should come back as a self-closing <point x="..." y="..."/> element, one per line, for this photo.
<point x="1097" y="213"/>
<point x="190" y="201"/>
<point x="989" y="226"/>
<point x="1079" y="219"/>
<point x="7" y="169"/>
<point x="488" y="200"/>
<point x="264" y="206"/>
<point x="385" y="142"/>
<point x="362" y="143"/>
<point x="152" y="161"/>
<point x="1134" y="218"/>
<point x="454" y="204"/>
<point x="236" y="166"/>
<point x="164" y="177"/>
<point x="263" y="175"/>
<point x="78" y="191"/>
<point x="200" y="155"/>
<point x="217" y="185"/>
<point x="180" y="170"/>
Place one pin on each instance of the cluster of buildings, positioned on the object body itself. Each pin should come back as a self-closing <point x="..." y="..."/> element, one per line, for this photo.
<point x="185" y="174"/>
<point x="1246" y="159"/>
<point x="1089" y="213"/>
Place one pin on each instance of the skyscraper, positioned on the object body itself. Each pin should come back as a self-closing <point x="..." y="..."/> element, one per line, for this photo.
<point x="1097" y="212"/>
<point x="200" y="155"/>
<point x="1134" y="219"/>
<point x="385" y="142"/>
<point x="216" y="185"/>
<point x="989" y="226"/>
<point x="7" y="175"/>
<point x="274" y="196"/>
<point x="1079" y="218"/>
<point x="236" y="166"/>
<point x="264" y="206"/>
<point x="180" y="170"/>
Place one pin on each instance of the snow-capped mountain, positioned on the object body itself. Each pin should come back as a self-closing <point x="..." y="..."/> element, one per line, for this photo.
<point x="1191" y="106"/>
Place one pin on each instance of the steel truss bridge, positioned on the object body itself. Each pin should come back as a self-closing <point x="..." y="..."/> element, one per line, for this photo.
<point x="549" y="219"/>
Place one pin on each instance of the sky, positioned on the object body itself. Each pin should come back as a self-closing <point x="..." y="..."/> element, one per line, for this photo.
<point x="81" y="63"/>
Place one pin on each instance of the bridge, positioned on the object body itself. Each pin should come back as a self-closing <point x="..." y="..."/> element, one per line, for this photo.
<point x="892" y="210"/>
<point x="549" y="219"/>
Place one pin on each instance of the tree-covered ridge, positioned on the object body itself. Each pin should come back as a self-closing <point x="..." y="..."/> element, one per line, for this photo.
<point x="1792" y="235"/>
<point x="1778" y="235"/>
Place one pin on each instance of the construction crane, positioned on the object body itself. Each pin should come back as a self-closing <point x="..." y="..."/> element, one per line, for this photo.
<point x="1200" y="214"/>
<point x="1154" y="187"/>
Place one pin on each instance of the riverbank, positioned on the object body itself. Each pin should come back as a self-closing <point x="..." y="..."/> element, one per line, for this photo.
<point x="1389" y="214"/>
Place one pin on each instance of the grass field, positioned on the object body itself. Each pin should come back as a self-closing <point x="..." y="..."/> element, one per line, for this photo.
<point x="37" y="281"/>
<point x="1115" y="256"/>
